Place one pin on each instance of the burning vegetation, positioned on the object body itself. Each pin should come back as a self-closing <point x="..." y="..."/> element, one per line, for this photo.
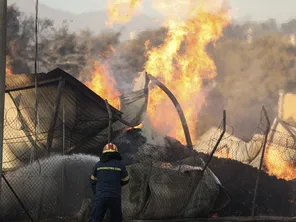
<point x="104" y="84"/>
<point x="279" y="167"/>
<point x="8" y="68"/>
<point x="121" y="11"/>
<point x="182" y="63"/>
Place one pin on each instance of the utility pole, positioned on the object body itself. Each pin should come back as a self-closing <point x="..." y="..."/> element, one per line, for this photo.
<point x="3" y="15"/>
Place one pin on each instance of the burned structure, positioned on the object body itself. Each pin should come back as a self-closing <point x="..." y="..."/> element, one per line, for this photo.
<point x="58" y="92"/>
<point x="74" y="120"/>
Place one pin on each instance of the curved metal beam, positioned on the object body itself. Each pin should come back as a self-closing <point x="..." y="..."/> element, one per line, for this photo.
<point x="178" y="107"/>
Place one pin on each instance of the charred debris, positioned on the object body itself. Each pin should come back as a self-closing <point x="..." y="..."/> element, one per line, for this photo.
<point x="175" y="181"/>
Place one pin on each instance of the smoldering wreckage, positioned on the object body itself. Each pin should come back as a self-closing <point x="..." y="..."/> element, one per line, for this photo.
<point x="167" y="178"/>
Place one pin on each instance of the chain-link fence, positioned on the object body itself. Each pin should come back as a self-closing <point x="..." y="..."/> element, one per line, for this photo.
<point x="56" y="186"/>
<point x="168" y="179"/>
<point x="236" y="164"/>
<point x="165" y="179"/>
<point x="37" y="168"/>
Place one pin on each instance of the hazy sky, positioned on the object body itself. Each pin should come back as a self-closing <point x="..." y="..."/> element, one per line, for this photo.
<point x="256" y="9"/>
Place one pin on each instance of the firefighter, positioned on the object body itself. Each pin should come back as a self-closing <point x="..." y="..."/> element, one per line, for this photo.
<point x="108" y="175"/>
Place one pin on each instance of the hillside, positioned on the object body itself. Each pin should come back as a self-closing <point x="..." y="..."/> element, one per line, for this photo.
<point x="95" y="21"/>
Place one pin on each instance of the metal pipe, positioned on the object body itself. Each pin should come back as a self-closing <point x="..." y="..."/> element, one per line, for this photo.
<point x="178" y="107"/>
<point x="261" y="161"/>
<point x="3" y="24"/>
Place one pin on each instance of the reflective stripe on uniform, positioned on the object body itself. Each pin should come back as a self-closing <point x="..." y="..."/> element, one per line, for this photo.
<point x="109" y="168"/>
<point x="110" y="151"/>
<point x="125" y="179"/>
<point x="93" y="177"/>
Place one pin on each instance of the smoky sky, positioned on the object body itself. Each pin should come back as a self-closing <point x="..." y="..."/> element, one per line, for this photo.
<point x="281" y="10"/>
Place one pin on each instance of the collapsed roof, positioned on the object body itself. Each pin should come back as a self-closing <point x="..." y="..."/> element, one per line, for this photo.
<point x="85" y="116"/>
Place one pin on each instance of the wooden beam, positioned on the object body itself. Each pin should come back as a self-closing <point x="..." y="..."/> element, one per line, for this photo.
<point x="55" y="115"/>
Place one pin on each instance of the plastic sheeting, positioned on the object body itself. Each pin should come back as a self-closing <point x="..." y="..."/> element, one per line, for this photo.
<point x="134" y="104"/>
<point x="174" y="186"/>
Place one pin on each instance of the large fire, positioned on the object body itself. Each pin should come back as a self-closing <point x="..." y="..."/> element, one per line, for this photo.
<point x="121" y="11"/>
<point x="104" y="85"/>
<point x="181" y="63"/>
<point x="278" y="166"/>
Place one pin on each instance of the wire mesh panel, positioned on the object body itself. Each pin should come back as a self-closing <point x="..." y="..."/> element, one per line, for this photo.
<point x="236" y="164"/>
<point x="38" y="175"/>
<point x="167" y="179"/>
<point x="174" y="186"/>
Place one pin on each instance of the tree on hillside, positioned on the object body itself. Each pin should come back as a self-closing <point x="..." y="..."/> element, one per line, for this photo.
<point x="98" y="47"/>
<point x="289" y="27"/>
<point x="251" y="75"/>
<point x="130" y="57"/>
<point x="57" y="47"/>
<point x="20" y="39"/>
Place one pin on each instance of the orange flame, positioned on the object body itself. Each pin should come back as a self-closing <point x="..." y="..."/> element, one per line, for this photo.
<point x="121" y="11"/>
<point x="182" y="63"/>
<point x="8" y="68"/>
<point x="104" y="85"/>
<point x="8" y="71"/>
<point x="279" y="167"/>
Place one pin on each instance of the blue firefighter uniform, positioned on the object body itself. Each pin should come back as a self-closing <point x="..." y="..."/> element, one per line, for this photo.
<point x="108" y="175"/>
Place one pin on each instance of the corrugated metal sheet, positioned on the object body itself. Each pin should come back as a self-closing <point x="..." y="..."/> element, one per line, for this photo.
<point x="86" y="116"/>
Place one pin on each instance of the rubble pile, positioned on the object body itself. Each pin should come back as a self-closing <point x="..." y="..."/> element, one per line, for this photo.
<point x="275" y="197"/>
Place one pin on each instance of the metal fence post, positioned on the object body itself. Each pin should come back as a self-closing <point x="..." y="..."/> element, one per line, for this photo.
<point x="261" y="161"/>
<point x="217" y="143"/>
<point x="63" y="168"/>
<point x="3" y="15"/>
